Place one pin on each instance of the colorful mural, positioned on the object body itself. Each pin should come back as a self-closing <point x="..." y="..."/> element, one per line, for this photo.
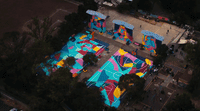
<point x="151" y="40"/>
<point x="97" y="21"/>
<point x="107" y="77"/>
<point x="149" y="43"/>
<point x="77" y="48"/>
<point x="123" y="31"/>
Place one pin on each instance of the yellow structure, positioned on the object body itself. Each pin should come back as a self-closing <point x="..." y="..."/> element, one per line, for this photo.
<point x="96" y="48"/>
<point x="83" y="36"/>
<point x="122" y="52"/>
<point x="139" y="74"/>
<point x="61" y="63"/>
<point x="117" y="92"/>
<point x="128" y="65"/>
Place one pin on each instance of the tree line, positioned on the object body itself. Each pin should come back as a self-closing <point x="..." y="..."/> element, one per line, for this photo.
<point x="181" y="11"/>
<point x="23" y="52"/>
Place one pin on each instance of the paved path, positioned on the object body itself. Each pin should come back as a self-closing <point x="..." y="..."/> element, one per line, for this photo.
<point x="6" y="95"/>
<point x="175" y="69"/>
<point x="167" y="80"/>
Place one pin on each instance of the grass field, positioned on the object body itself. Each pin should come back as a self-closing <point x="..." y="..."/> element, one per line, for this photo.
<point x="15" y="13"/>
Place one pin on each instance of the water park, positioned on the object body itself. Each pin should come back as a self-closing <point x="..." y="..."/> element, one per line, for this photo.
<point x="107" y="77"/>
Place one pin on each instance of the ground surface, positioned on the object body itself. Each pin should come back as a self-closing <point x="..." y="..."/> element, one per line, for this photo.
<point x="159" y="29"/>
<point x="4" y="107"/>
<point x="14" y="14"/>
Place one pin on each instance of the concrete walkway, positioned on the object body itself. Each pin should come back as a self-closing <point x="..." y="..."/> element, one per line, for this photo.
<point x="174" y="31"/>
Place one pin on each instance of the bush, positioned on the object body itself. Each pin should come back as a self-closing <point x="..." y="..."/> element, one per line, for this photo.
<point x="162" y="92"/>
<point x="141" y="47"/>
<point x="70" y="61"/>
<point x="122" y="7"/>
<point x="90" y="58"/>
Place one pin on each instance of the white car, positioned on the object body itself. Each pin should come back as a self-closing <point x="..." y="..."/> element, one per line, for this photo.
<point x="13" y="109"/>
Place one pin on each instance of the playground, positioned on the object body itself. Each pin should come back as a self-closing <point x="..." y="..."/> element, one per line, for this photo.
<point x="76" y="47"/>
<point x="107" y="77"/>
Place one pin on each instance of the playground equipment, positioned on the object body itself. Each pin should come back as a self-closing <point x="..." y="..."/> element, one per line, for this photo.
<point x="123" y="31"/>
<point x="97" y="21"/>
<point x="151" y="40"/>
<point x="134" y="52"/>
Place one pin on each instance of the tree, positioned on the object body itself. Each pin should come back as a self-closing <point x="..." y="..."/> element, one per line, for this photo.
<point x="12" y="42"/>
<point x="52" y="90"/>
<point x="181" y="18"/>
<point x="193" y="53"/>
<point x="38" y="51"/>
<point x="157" y="60"/>
<point x="123" y="7"/>
<point x="112" y="109"/>
<point x="55" y="87"/>
<point x="40" y="104"/>
<point x="70" y="61"/>
<point x="90" y="4"/>
<point x="134" y="4"/>
<point x="90" y="58"/>
<point x="181" y="103"/>
<point x="161" y="53"/>
<point x="85" y="99"/>
<point x="181" y="11"/>
<point x="134" y="86"/>
<point x="145" y="5"/>
<point x="15" y="67"/>
<point x="56" y="43"/>
<point x="76" y="20"/>
<point x="162" y="50"/>
<point x="41" y="29"/>
<point x="194" y="84"/>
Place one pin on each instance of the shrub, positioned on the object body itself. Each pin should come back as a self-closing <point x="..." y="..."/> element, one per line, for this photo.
<point x="70" y="61"/>
<point x="162" y="92"/>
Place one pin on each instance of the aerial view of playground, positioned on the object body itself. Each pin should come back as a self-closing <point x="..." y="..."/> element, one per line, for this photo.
<point x="77" y="47"/>
<point x="107" y="77"/>
<point x="100" y="55"/>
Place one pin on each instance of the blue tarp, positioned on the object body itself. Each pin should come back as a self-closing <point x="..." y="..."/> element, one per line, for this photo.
<point x="127" y="25"/>
<point x="158" y="37"/>
<point x="91" y="12"/>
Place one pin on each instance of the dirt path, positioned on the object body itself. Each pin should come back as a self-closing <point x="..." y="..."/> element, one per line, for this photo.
<point x="13" y="14"/>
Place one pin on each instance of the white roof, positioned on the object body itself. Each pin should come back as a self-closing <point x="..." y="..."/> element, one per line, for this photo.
<point x="91" y="12"/>
<point x="149" y="33"/>
<point x="182" y="41"/>
<point x="127" y="25"/>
